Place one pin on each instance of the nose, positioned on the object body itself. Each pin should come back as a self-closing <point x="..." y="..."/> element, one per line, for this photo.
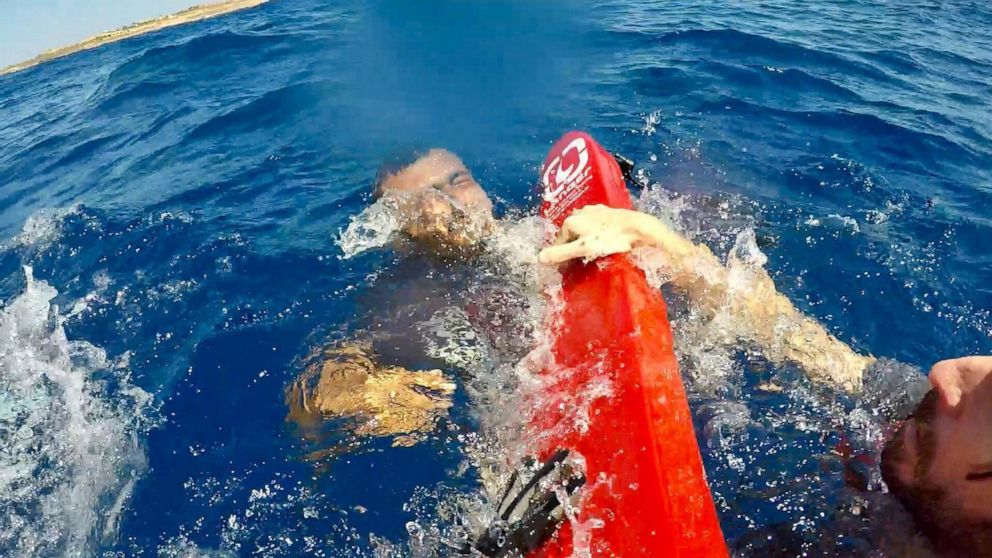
<point x="963" y="379"/>
<point x="945" y="377"/>
<point x="469" y="193"/>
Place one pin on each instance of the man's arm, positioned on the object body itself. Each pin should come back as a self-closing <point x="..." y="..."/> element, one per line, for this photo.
<point x="769" y="319"/>
<point x="345" y="382"/>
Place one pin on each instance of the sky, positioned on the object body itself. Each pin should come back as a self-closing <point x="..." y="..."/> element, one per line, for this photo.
<point x="30" y="27"/>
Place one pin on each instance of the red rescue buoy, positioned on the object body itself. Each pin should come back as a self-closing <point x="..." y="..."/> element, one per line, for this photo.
<point x="624" y="408"/>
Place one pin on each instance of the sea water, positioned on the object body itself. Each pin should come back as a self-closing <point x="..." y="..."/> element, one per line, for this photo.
<point x="175" y="213"/>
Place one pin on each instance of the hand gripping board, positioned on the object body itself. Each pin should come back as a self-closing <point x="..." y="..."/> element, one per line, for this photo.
<point x="614" y="394"/>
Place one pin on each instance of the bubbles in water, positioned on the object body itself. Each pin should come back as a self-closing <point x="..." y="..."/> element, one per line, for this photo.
<point x="181" y="547"/>
<point x="70" y="423"/>
<point x="448" y="336"/>
<point x="725" y="418"/>
<point x="651" y="121"/>
<point x="849" y="223"/>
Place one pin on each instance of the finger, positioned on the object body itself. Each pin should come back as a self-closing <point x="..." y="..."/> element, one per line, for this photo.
<point x="566" y="233"/>
<point x="582" y="220"/>
<point x="563" y="252"/>
<point x="612" y="246"/>
<point x="434" y="380"/>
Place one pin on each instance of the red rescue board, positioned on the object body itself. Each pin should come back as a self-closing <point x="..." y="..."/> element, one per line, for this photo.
<point x="614" y="394"/>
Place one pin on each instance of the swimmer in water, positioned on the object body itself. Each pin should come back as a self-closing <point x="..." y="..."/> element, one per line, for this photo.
<point x="444" y="211"/>
<point x="938" y="464"/>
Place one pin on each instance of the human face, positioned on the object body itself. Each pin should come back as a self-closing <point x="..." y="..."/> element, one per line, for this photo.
<point x="442" y="171"/>
<point x="441" y="200"/>
<point x="947" y="444"/>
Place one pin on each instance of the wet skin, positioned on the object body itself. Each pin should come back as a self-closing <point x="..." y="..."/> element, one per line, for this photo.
<point x="946" y="446"/>
<point x="958" y="434"/>
<point x="949" y="446"/>
<point x="440" y="200"/>
<point x="443" y="207"/>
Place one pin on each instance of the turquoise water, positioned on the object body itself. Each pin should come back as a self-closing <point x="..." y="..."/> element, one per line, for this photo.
<point x="179" y="196"/>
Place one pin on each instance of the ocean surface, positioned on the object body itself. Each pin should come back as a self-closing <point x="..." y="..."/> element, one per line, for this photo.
<point x="171" y="210"/>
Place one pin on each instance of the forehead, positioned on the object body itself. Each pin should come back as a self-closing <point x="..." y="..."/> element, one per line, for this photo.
<point x="436" y="165"/>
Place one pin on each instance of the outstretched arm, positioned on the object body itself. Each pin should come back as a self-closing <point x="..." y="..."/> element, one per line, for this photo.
<point x="769" y="318"/>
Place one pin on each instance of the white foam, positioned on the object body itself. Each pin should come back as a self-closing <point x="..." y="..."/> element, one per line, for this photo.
<point x="70" y="426"/>
<point x="41" y="229"/>
<point x="181" y="547"/>
<point x="846" y="222"/>
<point x="373" y="228"/>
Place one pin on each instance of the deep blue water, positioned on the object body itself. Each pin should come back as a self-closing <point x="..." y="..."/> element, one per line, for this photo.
<point x="183" y="191"/>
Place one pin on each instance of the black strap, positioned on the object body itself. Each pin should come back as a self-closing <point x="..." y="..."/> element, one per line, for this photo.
<point x="529" y="512"/>
<point x="627" y="167"/>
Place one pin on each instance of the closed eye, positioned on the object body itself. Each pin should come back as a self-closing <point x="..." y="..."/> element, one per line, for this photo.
<point x="452" y="180"/>
<point x="984" y="475"/>
<point x="458" y="176"/>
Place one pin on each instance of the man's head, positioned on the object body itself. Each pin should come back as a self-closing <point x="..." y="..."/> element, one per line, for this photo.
<point x="939" y="463"/>
<point x="437" y="196"/>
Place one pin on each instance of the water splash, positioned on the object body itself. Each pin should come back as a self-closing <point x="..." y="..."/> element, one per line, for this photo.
<point x="432" y="216"/>
<point x="651" y="121"/>
<point x="373" y="228"/>
<point x="70" y="426"/>
<point x="42" y="228"/>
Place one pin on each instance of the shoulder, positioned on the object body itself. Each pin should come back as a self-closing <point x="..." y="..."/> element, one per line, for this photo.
<point x="892" y="388"/>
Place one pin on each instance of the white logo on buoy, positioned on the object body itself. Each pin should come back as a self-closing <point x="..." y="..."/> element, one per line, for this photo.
<point x="576" y="156"/>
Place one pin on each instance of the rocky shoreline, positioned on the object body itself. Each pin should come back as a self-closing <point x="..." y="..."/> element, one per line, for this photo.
<point x="196" y="13"/>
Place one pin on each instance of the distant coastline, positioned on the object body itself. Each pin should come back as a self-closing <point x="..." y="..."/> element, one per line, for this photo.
<point x="196" y="13"/>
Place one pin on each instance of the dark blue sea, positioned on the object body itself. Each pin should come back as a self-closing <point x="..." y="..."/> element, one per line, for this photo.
<point x="171" y="209"/>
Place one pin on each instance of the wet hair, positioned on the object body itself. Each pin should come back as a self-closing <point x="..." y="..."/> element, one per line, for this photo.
<point x="394" y="163"/>
<point x="939" y="519"/>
